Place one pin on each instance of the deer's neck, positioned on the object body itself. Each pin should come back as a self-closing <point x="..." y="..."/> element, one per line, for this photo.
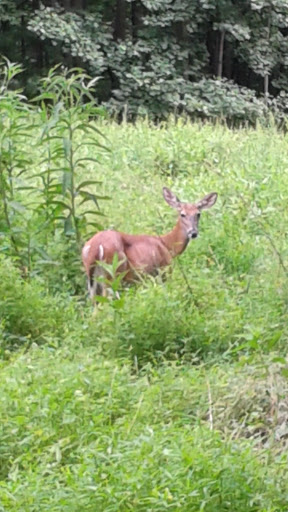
<point x="176" y="240"/>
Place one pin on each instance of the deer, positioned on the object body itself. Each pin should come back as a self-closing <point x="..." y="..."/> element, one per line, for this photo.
<point x="142" y="254"/>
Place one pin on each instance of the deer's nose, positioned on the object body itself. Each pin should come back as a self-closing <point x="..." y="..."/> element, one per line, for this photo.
<point x="194" y="234"/>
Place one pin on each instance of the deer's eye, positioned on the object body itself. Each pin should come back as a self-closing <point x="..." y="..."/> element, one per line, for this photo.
<point x="183" y="214"/>
<point x="198" y="215"/>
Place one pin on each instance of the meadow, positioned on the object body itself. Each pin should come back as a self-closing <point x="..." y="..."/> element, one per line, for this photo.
<point x="173" y="397"/>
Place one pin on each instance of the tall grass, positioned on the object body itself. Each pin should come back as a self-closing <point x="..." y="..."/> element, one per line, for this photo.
<point x="175" y="396"/>
<point x="228" y="292"/>
<point x="79" y="433"/>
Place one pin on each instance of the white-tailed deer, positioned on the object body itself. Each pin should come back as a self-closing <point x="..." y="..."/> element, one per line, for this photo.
<point x="143" y="253"/>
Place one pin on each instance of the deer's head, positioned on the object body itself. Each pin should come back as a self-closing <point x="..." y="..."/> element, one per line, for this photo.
<point x="189" y="213"/>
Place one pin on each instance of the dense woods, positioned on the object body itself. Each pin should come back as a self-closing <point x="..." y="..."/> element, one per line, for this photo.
<point x="207" y="58"/>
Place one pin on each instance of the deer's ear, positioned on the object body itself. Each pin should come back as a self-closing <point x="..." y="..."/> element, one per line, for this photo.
<point x="171" y="199"/>
<point x="207" y="201"/>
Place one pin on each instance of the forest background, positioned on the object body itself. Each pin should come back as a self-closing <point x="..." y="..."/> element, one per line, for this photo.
<point x="205" y="58"/>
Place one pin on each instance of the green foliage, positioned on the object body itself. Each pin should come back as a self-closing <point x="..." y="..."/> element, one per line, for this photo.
<point x="194" y="417"/>
<point x="28" y="314"/>
<point x="228" y="261"/>
<point x="222" y="99"/>
<point x="15" y="160"/>
<point x="66" y="121"/>
<point x="41" y="196"/>
<point x="213" y="302"/>
<point x="157" y="58"/>
<point x="83" y="433"/>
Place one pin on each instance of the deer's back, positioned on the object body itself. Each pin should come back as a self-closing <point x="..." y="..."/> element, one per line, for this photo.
<point x="143" y="252"/>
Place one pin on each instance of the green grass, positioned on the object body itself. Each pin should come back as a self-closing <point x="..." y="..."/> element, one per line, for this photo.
<point x="82" y="433"/>
<point x="174" y="398"/>
<point x="229" y="288"/>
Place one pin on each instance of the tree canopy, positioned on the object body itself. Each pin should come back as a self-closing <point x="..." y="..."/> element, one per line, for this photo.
<point x="206" y="58"/>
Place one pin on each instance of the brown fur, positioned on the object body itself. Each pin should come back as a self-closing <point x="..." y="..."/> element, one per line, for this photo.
<point x="145" y="253"/>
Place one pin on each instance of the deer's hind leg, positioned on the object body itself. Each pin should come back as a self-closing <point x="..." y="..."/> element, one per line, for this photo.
<point x="96" y="286"/>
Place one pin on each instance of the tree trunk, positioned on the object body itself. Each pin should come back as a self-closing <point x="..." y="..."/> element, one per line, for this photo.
<point x="78" y="5"/>
<point x="212" y="43"/>
<point x="134" y="21"/>
<point x="66" y="4"/>
<point x="228" y="60"/>
<point x="266" y="77"/>
<point x="119" y="20"/>
<point x="220" y="54"/>
<point x="266" y="86"/>
<point x="23" y="45"/>
<point x="182" y="39"/>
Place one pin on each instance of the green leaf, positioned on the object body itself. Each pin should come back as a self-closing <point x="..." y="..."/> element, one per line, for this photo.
<point x="94" y="212"/>
<point x="66" y="181"/>
<point x="86" y="159"/>
<point x="284" y="372"/>
<point x="64" y="205"/>
<point x="28" y="188"/>
<point x="274" y="339"/>
<point x="68" y="226"/>
<point x="67" y="147"/>
<point x="86" y="183"/>
<point x="87" y="196"/>
<point x="93" y="128"/>
<point x="95" y="225"/>
<point x="101" y="299"/>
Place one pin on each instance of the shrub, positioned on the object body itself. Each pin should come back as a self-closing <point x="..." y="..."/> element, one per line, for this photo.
<point x="28" y="314"/>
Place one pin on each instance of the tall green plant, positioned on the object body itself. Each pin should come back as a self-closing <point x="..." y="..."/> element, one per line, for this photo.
<point x="67" y="107"/>
<point x="34" y="206"/>
<point x="15" y="161"/>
